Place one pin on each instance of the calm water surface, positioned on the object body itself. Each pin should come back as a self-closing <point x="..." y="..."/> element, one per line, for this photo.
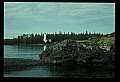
<point x="32" y="52"/>
<point x="26" y="52"/>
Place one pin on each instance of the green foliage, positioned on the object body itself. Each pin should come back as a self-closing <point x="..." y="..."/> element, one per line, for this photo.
<point x="55" y="37"/>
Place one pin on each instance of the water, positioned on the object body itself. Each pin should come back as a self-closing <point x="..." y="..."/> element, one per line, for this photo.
<point x="32" y="52"/>
<point x="38" y="71"/>
<point x="26" y="52"/>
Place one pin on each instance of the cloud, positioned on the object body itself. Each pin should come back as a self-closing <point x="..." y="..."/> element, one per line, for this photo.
<point x="60" y="12"/>
<point x="22" y="11"/>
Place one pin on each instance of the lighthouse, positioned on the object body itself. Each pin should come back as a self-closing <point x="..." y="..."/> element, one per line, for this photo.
<point x="44" y="39"/>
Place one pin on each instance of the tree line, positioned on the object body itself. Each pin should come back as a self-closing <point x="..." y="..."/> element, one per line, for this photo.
<point x="55" y="37"/>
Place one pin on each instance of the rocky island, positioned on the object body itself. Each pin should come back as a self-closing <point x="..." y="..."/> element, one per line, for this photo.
<point x="92" y="52"/>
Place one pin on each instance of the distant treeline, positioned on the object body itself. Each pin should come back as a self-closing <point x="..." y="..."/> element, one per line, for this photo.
<point x="55" y="37"/>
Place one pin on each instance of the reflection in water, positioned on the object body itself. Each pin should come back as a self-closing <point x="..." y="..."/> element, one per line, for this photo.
<point x="38" y="71"/>
<point x="44" y="47"/>
<point x="75" y="71"/>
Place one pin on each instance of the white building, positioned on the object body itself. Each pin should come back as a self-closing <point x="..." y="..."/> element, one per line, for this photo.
<point x="46" y="40"/>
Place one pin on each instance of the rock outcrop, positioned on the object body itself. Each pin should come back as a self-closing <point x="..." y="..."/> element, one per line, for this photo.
<point x="88" y="52"/>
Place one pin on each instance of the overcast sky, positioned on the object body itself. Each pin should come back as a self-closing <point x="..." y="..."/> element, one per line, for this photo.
<point x="50" y="17"/>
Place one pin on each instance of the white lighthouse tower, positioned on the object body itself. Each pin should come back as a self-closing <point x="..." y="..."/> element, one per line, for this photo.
<point x="44" y="39"/>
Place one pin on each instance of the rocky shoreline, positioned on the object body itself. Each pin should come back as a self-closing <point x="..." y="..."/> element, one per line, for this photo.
<point x="18" y="64"/>
<point x="92" y="52"/>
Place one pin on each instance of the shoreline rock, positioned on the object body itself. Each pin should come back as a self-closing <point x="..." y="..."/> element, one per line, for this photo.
<point x="18" y="64"/>
<point x="86" y="52"/>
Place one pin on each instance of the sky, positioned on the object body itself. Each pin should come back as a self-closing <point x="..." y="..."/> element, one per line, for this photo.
<point x="50" y="17"/>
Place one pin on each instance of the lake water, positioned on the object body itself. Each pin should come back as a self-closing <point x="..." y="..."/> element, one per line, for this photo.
<point x="26" y="52"/>
<point x="32" y="52"/>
